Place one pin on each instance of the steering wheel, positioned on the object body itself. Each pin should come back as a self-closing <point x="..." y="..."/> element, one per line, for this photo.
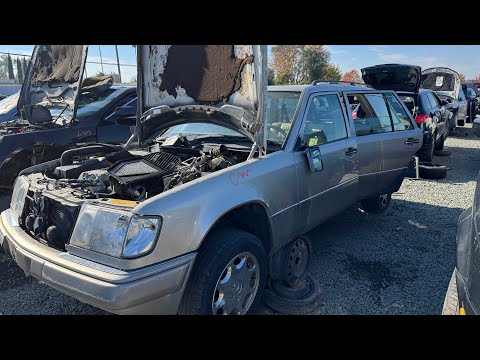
<point x="279" y="129"/>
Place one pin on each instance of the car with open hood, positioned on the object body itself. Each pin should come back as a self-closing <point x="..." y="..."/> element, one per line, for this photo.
<point x="431" y="113"/>
<point x="220" y="178"/>
<point x="446" y="84"/>
<point x="57" y="111"/>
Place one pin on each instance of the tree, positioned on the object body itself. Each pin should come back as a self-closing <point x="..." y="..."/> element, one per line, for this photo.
<point x="11" y="75"/>
<point x="24" y="66"/>
<point x="19" y="71"/>
<point x="353" y="76"/>
<point x="462" y="77"/>
<point x="332" y="72"/>
<point x="270" y="76"/>
<point x="3" y="67"/>
<point x="300" y="64"/>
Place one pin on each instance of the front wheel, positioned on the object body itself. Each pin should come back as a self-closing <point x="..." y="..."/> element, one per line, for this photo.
<point x="377" y="204"/>
<point x="228" y="276"/>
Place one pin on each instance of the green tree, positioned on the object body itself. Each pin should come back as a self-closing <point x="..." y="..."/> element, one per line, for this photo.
<point x="3" y="67"/>
<point x="302" y="64"/>
<point x="332" y="72"/>
<point x="271" y="76"/>
<point x="19" y="71"/>
<point x="11" y="74"/>
<point x="24" y="66"/>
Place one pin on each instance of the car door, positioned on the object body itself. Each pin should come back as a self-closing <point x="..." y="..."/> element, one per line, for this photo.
<point x="327" y="192"/>
<point x="114" y="127"/>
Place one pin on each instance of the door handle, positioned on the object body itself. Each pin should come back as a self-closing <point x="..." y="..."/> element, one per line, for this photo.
<point x="351" y="151"/>
<point x="411" y="141"/>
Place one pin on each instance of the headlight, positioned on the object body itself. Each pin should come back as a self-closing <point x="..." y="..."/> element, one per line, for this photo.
<point x="19" y="194"/>
<point x="114" y="232"/>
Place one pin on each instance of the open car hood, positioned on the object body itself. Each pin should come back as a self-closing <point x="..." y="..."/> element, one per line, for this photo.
<point x="220" y="84"/>
<point x="53" y="77"/>
<point x="441" y="79"/>
<point x="397" y="77"/>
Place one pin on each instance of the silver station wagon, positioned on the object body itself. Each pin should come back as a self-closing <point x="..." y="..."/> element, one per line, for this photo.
<point x="220" y="174"/>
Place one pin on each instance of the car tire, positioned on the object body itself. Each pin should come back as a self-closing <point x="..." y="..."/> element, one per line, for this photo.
<point x="439" y="144"/>
<point x="452" y="123"/>
<point x="450" y="304"/>
<point x="377" y="204"/>
<point x="430" y="170"/>
<point x="217" y="260"/>
<point x="427" y="154"/>
<point x="298" y="306"/>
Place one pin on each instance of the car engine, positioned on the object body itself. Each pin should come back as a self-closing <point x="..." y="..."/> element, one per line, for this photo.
<point x="56" y="195"/>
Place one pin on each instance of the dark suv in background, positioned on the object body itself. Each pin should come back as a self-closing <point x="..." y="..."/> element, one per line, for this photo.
<point x="430" y="112"/>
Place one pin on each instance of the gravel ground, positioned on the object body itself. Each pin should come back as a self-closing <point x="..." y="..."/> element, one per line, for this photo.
<point x="396" y="263"/>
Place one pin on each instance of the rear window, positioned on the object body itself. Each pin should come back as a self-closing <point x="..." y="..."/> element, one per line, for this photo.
<point x="438" y="81"/>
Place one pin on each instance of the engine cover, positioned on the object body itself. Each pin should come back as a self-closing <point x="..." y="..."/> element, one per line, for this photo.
<point x="134" y="178"/>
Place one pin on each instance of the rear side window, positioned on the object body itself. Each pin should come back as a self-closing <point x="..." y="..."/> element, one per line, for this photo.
<point x="433" y="100"/>
<point x="371" y="115"/>
<point x="400" y="118"/>
<point x="324" y="121"/>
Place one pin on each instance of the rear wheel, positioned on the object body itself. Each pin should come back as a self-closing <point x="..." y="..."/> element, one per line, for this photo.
<point x="228" y="276"/>
<point x="452" y="123"/>
<point x="427" y="154"/>
<point x="439" y="143"/>
<point x="378" y="204"/>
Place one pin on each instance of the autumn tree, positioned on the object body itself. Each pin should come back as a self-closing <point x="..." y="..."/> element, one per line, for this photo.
<point x="352" y="76"/>
<point x="3" y="67"/>
<point x="302" y="64"/>
<point x="462" y="77"/>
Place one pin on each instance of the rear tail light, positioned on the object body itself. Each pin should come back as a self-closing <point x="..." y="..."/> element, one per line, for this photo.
<point x="354" y="115"/>
<point x="421" y="118"/>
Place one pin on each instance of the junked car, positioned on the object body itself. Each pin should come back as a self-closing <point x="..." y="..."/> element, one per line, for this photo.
<point x="57" y="111"/>
<point x="8" y="108"/>
<point x="220" y="175"/>
<point x="430" y="112"/>
<point x="446" y="84"/>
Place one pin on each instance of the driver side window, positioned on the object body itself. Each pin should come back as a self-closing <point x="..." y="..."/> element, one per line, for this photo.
<point x="324" y="121"/>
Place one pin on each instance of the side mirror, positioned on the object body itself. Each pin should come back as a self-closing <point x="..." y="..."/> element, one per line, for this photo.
<point x="125" y="111"/>
<point x="314" y="157"/>
<point x="476" y="128"/>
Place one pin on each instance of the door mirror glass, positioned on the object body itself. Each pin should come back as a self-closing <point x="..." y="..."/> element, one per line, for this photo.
<point x="314" y="157"/>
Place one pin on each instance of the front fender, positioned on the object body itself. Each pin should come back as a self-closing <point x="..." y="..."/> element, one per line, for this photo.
<point x="189" y="211"/>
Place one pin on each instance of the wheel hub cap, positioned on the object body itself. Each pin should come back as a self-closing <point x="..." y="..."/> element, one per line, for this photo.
<point x="237" y="286"/>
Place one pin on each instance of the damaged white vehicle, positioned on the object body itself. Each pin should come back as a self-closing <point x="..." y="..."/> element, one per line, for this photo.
<point x="209" y="194"/>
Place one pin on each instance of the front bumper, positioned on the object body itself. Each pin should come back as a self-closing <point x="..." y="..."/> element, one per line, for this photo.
<point x="155" y="289"/>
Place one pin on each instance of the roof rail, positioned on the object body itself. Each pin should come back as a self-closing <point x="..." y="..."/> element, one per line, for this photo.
<point x="317" y="82"/>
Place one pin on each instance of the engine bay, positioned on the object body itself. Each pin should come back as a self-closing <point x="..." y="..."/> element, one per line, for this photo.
<point x="128" y="176"/>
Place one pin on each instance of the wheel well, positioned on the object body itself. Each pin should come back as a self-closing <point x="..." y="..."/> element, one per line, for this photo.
<point x="251" y="218"/>
<point x="25" y="158"/>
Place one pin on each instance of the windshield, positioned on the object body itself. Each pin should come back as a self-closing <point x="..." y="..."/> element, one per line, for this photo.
<point x="199" y="129"/>
<point x="9" y="103"/>
<point x="281" y="107"/>
<point x="90" y="103"/>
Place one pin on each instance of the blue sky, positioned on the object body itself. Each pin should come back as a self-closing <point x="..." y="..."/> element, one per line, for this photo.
<point x="462" y="58"/>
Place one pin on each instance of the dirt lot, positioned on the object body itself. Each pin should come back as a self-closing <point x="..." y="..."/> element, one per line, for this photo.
<point x="396" y="263"/>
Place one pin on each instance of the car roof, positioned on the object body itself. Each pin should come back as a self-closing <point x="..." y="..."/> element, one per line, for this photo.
<point x="320" y="87"/>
